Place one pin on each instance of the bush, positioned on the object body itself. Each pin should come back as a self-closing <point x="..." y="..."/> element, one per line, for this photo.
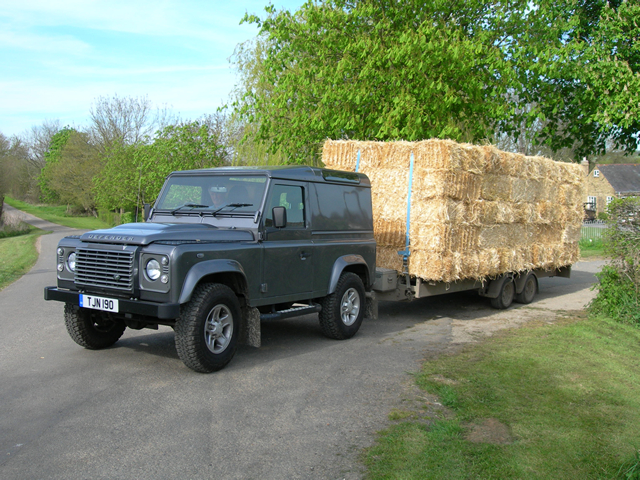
<point x="114" y="219"/>
<point x="12" y="227"/>
<point x="619" y="288"/>
<point x="603" y="216"/>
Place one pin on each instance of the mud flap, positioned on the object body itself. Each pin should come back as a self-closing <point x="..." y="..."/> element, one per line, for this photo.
<point x="371" y="306"/>
<point x="251" y="329"/>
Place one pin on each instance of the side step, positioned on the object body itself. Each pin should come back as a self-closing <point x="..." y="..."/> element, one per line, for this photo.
<point x="291" y="312"/>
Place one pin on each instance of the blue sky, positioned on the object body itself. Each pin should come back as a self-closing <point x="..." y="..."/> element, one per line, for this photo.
<point x="57" y="57"/>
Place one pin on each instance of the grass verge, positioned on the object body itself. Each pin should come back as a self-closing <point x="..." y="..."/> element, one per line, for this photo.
<point x="556" y="401"/>
<point x="591" y="248"/>
<point x="17" y="256"/>
<point x="57" y="214"/>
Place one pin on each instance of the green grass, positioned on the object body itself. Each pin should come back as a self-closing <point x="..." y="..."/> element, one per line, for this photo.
<point x="591" y="247"/>
<point x="57" y="214"/>
<point x="17" y="256"/>
<point x="568" y="393"/>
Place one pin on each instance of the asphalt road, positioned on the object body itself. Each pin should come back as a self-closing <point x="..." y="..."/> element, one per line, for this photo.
<point x="301" y="406"/>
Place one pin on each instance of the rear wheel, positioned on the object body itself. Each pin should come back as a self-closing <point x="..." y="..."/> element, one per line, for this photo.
<point x="208" y="328"/>
<point x="529" y="290"/>
<point x="92" y="329"/>
<point x="506" y="295"/>
<point x="343" y="310"/>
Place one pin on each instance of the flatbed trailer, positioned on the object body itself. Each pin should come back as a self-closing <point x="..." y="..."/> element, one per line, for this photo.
<point x="521" y="287"/>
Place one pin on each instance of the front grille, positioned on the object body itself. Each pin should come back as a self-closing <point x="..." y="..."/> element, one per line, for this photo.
<point x="104" y="269"/>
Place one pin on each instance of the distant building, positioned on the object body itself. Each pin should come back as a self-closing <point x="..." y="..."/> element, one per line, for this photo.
<point x="606" y="182"/>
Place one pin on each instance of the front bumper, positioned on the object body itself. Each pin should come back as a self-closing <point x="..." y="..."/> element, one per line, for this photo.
<point x="165" y="311"/>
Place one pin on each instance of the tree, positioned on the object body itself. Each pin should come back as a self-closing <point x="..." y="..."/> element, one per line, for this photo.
<point x="383" y="70"/>
<point x="134" y="174"/>
<point x="575" y="67"/>
<point x="243" y="129"/>
<point x="463" y="70"/>
<point x="39" y="140"/>
<point x="51" y="158"/>
<point x="124" y="120"/>
<point x="70" y="178"/>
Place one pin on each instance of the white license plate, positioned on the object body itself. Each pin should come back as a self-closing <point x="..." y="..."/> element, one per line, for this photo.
<point x="99" y="303"/>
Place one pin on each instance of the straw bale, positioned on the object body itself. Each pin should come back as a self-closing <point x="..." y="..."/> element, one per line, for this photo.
<point x="527" y="190"/>
<point x="476" y="212"/>
<point x="571" y="234"/>
<point x="510" y="234"/>
<point x="440" y="211"/>
<point x="389" y="232"/>
<point x="387" y="257"/>
<point x="442" y="238"/>
<point x="525" y="213"/>
<point x="430" y="183"/>
<point x="496" y="187"/>
<point x="497" y="212"/>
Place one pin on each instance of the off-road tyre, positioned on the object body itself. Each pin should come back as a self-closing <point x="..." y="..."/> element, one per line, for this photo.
<point x="343" y="310"/>
<point x="208" y="329"/>
<point x="92" y="329"/>
<point x="506" y="296"/>
<point x="529" y="290"/>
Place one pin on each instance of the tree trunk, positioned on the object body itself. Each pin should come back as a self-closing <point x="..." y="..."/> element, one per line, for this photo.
<point x="1" y="207"/>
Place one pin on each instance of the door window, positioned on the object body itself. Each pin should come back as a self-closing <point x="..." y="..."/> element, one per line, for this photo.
<point x="290" y="197"/>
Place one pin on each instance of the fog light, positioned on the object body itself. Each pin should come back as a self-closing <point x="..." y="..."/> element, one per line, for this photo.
<point x="164" y="278"/>
<point x="60" y="267"/>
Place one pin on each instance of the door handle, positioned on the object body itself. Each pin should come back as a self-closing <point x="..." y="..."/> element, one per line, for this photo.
<point x="304" y="255"/>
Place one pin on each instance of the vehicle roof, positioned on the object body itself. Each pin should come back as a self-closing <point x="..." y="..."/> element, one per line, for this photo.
<point x="286" y="172"/>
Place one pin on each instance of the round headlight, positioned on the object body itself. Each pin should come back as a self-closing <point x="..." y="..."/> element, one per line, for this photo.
<point x="153" y="269"/>
<point x="71" y="262"/>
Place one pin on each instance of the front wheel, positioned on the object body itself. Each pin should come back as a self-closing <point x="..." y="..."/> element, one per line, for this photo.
<point x="208" y="328"/>
<point x="92" y="329"/>
<point x="343" y="310"/>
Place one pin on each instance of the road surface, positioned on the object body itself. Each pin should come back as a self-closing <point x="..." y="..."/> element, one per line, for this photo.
<point x="301" y="406"/>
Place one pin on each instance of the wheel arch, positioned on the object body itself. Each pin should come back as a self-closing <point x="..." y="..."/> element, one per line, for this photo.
<point x="225" y="272"/>
<point x="349" y="263"/>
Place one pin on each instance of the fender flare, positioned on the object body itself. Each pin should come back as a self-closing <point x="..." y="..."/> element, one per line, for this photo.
<point x="202" y="269"/>
<point x="340" y="264"/>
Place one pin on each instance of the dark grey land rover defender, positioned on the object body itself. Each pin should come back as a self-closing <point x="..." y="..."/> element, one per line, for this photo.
<point x="221" y="250"/>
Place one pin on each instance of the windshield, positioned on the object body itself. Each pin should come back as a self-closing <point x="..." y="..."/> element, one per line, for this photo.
<point x="232" y="194"/>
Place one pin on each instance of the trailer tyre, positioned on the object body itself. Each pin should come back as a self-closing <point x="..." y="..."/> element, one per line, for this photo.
<point x="92" y="329"/>
<point x="343" y="310"/>
<point x="506" y="296"/>
<point x="208" y="328"/>
<point x="529" y="290"/>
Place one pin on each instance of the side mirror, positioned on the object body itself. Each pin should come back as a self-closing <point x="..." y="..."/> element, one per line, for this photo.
<point x="279" y="217"/>
<point x="146" y="209"/>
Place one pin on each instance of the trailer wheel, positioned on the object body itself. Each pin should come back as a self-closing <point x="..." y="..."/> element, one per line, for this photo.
<point x="208" y="328"/>
<point x="506" y="295"/>
<point x="529" y="290"/>
<point x="92" y="329"/>
<point x="343" y="310"/>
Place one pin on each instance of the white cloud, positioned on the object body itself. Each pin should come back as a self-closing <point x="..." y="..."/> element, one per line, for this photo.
<point x="41" y="43"/>
<point x="63" y="54"/>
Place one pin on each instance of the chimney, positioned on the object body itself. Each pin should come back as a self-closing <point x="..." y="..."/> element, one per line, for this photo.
<point x="585" y="165"/>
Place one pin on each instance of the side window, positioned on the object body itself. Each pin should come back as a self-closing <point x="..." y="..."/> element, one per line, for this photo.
<point x="290" y="197"/>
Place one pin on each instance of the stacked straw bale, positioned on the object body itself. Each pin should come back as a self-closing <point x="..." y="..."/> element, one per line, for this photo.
<point x="476" y="211"/>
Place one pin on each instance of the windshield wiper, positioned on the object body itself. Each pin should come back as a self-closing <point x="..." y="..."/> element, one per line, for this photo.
<point x="187" y="205"/>
<point x="234" y="205"/>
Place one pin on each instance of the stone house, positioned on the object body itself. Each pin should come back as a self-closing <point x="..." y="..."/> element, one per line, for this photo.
<point x="606" y="182"/>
